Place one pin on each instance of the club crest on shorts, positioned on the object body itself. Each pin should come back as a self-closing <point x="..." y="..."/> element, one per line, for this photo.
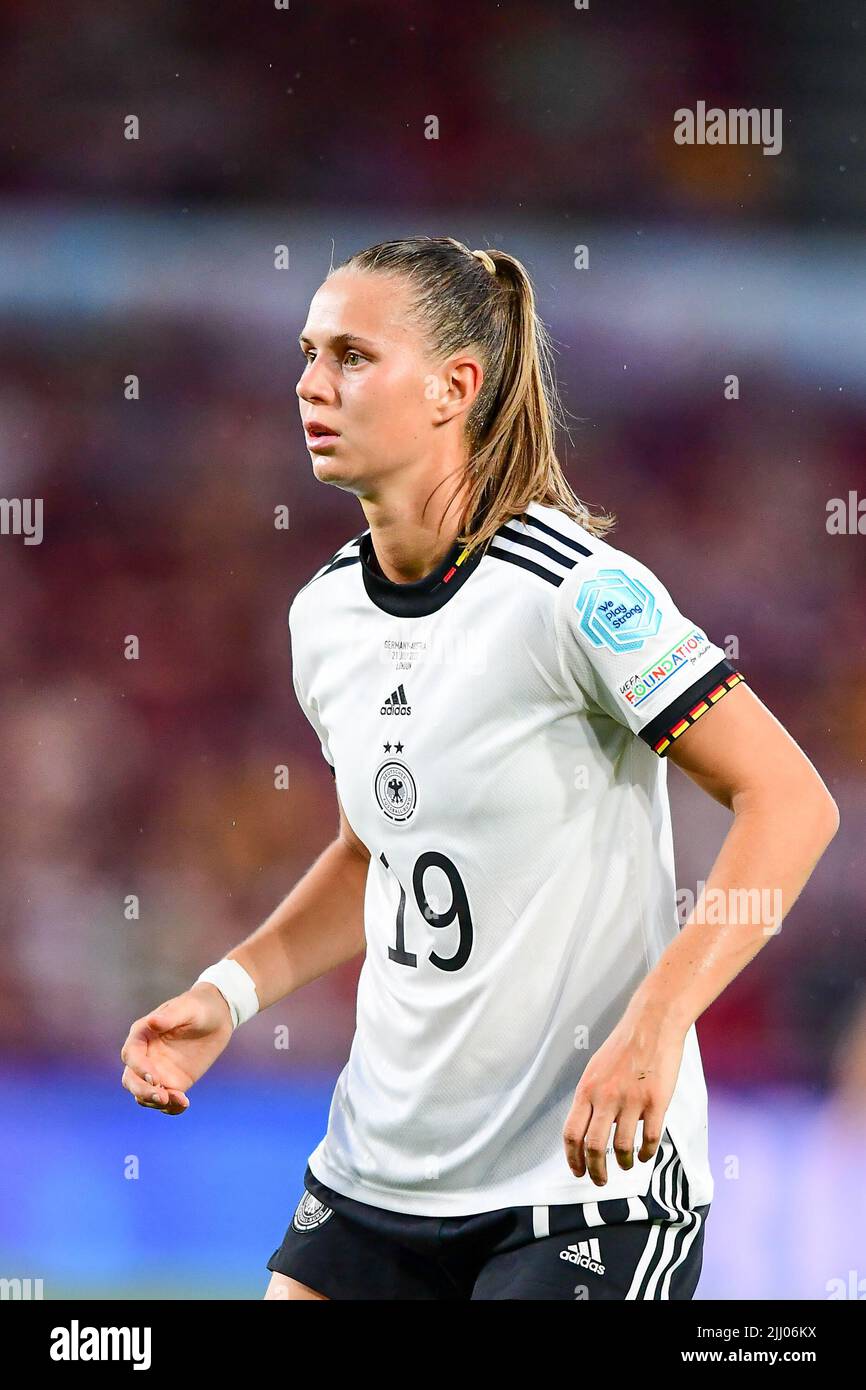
<point x="395" y="790"/>
<point x="310" y="1213"/>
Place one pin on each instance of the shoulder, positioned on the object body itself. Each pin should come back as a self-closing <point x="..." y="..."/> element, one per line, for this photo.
<point x="546" y="548"/>
<point x="325" y="584"/>
<point x="576" y="582"/>
<point x="555" y="548"/>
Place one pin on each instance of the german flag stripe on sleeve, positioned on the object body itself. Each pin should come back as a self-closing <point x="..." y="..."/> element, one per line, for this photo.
<point x="668" y="726"/>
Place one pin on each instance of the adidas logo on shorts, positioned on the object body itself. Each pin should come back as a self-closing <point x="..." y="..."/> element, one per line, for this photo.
<point x="310" y="1213"/>
<point x="585" y="1253"/>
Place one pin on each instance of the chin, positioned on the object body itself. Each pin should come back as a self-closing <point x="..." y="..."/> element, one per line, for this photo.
<point x="328" y="469"/>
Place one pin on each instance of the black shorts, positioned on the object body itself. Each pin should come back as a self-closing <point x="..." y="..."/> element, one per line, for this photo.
<point x="348" y="1249"/>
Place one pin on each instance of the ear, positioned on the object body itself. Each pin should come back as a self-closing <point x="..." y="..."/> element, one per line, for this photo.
<point x="459" y="380"/>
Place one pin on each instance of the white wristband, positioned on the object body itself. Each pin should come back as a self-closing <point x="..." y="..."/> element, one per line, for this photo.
<point x="236" y="986"/>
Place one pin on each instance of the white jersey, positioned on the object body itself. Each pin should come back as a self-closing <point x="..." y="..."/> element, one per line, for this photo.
<point x="497" y="732"/>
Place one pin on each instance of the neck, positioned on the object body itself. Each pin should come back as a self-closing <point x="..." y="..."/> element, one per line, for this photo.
<point x="406" y="546"/>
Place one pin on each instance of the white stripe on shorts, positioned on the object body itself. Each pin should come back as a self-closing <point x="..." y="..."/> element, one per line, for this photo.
<point x="540" y="1221"/>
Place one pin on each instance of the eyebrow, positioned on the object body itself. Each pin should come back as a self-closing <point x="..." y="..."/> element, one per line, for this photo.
<point x="339" y="338"/>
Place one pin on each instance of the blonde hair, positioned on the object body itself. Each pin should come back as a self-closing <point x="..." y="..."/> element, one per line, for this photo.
<point x="484" y="300"/>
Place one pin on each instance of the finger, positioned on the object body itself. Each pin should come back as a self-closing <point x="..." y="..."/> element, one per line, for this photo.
<point x="135" y="1050"/>
<point x="652" y="1133"/>
<point x="574" y="1133"/>
<point x="171" y="1107"/>
<point x="597" y="1137"/>
<point x="174" y="1013"/>
<point x="169" y="1099"/>
<point x="145" y="1094"/>
<point x="596" y="1163"/>
<point x="177" y="1103"/>
<point x="623" y="1138"/>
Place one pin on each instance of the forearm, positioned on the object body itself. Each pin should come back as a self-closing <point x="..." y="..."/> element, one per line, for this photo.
<point x="766" y="859"/>
<point x="317" y="927"/>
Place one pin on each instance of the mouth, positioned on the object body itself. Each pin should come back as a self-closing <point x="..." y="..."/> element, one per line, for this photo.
<point x="319" y="435"/>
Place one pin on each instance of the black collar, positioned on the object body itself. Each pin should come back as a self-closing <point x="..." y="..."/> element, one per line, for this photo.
<point x="422" y="596"/>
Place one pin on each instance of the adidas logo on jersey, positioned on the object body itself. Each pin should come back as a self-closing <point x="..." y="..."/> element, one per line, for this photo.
<point x="585" y="1253"/>
<point x="396" y="703"/>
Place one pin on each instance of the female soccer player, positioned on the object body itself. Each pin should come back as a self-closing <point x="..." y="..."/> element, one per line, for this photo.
<point x="497" y="689"/>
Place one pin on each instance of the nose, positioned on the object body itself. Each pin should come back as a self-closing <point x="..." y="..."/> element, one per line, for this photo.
<point x="315" y="383"/>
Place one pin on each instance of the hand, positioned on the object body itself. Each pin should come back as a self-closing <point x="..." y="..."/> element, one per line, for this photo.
<point x="168" y="1050"/>
<point x="631" y="1077"/>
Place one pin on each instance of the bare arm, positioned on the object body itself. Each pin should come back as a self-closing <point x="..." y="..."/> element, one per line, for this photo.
<point x="317" y="927"/>
<point x="784" y="818"/>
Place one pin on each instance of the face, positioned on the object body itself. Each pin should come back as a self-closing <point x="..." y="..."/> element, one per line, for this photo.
<point x="367" y="378"/>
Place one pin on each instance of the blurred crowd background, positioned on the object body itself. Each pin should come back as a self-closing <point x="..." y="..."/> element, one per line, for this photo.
<point x="155" y="777"/>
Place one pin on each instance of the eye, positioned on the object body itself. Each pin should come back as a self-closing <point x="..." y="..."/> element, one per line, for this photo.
<point x="353" y="352"/>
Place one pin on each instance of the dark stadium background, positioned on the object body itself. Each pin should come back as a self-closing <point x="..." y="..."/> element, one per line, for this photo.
<point x="155" y="777"/>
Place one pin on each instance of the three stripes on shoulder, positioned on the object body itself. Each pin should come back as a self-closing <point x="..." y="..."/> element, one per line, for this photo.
<point x="531" y="544"/>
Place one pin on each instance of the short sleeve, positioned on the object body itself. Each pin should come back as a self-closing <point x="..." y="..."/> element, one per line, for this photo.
<point x="311" y="712"/>
<point x="624" y="646"/>
<point x="309" y="706"/>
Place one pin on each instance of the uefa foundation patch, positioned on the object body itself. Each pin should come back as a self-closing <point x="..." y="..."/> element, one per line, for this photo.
<point x="310" y="1213"/>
